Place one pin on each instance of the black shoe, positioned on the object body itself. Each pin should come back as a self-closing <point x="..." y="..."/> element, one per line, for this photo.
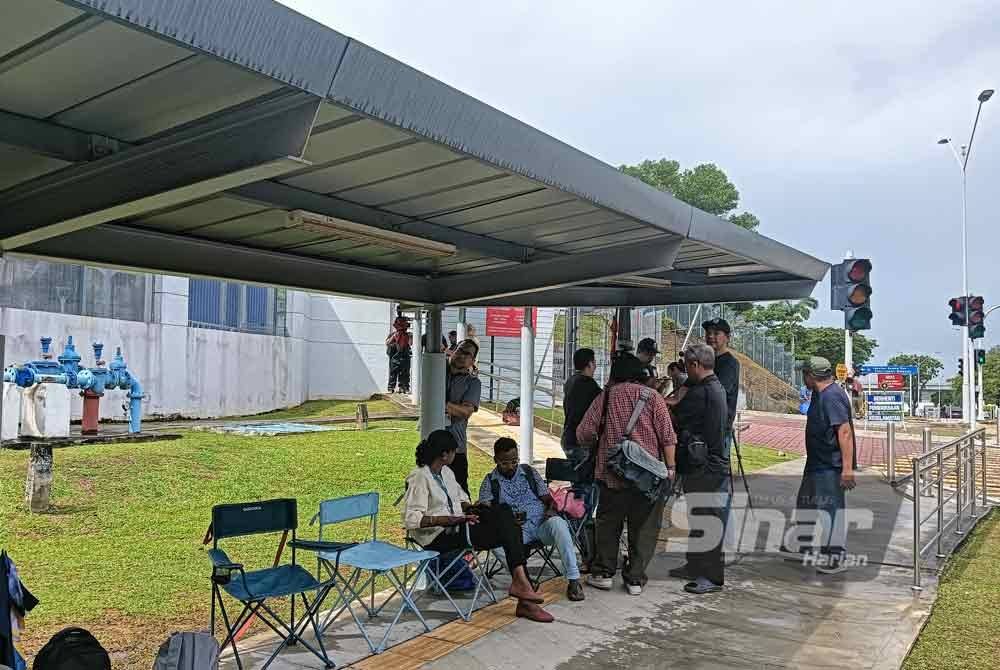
<point x="682" y="572"/>
<point x="574" y="591"/>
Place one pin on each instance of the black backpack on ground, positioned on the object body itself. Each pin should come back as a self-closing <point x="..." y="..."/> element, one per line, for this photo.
<point x="72" y="649"/>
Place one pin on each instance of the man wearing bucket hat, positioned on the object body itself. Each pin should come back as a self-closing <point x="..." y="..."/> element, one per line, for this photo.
<point x="829" y="471"/>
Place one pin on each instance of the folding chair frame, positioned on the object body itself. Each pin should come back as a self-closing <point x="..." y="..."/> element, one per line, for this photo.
<point x="477" y="566"/>
<point x="223" y="570"/>
<point x="349" y="589"/>
<point x="495" y="566"/>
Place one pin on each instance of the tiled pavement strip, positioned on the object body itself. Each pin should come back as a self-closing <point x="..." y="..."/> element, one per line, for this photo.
<point x="788" y="617"/>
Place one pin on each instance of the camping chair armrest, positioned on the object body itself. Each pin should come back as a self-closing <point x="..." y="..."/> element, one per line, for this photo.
<point x="223" y="568"/>
<point x="318" y="545"/>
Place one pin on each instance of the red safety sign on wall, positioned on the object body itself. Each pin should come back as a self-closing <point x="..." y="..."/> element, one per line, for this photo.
<point x="507" y="321"/>
<point x="892" y="382"/>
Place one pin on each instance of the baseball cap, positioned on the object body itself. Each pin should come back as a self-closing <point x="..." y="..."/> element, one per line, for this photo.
<point x="717" y="324"/>
<point x="648" y="344"/>
<point x="816" y="365"/>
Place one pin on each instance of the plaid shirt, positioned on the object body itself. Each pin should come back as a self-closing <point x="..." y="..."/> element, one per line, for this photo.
<point x="653" y="431"/>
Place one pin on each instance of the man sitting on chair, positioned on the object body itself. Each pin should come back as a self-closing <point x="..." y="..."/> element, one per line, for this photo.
<point x="524" y="490"/>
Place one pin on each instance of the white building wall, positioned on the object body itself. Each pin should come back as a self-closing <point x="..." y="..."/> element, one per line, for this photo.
<point x="333" y="350"/>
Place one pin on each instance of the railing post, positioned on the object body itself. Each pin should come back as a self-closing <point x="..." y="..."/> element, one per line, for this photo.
<point x="927" y="440"/>
<point x="972" y="477"/>
<point x="940" y="502"/>
<point x="916" y="524"/>
<point x="890" y="441"/>
<point x="958" y="488"/>
<point x="985" y="499"/>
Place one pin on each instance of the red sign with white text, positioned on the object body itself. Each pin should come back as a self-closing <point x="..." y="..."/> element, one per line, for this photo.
<point x="507" y="321"/>
<point x="891" y="382"/>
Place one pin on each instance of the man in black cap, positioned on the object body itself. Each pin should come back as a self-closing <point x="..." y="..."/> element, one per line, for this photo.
<point x="646" y="352"/>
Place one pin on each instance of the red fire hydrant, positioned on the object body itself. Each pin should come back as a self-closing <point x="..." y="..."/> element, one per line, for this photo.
<point x="91" y="413"/>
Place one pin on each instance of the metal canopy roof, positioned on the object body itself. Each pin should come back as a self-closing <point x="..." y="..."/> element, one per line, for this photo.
<point x="177" y="135"/>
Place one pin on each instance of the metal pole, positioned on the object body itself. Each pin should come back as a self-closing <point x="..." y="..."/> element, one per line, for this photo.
<point x="527" y="388"/>
<point x="972" y="477"/>
<point x="694" y="320"/>
<point x="849" y="351"/>
<point x="417" y="356"/>
<point x="433" y="372"/>
<point x="461" y="327"/>
<point x="940" y="502"/>
<point x="985" y="501"/>
<point x="927" y="440"/>
<point x="967" y="407"/>
<point x="980" y="404"/>
<point x="890" y="440"/>
<point x="916" y="527"/>
<point x="958" y="489"/>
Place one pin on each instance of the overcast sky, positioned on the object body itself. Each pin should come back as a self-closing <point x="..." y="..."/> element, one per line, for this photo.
<point x="825" y="117"/>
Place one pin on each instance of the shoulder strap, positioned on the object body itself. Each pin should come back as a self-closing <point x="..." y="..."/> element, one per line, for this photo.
<point x="644" y="396"/>
<point x="529" y="474"/>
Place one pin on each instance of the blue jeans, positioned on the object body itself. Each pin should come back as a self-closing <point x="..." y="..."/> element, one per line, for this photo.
<point x="555" y="531"/>
<point x="820" y="491"/>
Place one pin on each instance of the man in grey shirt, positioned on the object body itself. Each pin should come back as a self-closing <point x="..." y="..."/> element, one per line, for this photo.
<point x="462" y="397"/>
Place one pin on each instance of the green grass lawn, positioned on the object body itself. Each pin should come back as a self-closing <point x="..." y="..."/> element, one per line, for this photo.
<point x="121" y="553"/>
<point x="964" y="627"/>
<point x="757" y="458"/>
<point x="313" y="409"/>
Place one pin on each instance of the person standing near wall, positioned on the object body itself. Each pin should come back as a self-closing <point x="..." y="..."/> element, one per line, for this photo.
<point x="399" y="349"/>
<point x="578" y="392"/>
<point x="462" y="395"/>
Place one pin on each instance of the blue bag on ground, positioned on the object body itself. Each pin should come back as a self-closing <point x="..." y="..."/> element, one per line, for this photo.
<point x="459" y="574"/>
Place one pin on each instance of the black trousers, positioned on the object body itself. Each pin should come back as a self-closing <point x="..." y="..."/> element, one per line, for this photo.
<point x="616" y="508"/>
<point x="708" y="563"/>
<point x="496" y="528"/>
<point x="399" y="369"/>
<point x="460" y="466"/>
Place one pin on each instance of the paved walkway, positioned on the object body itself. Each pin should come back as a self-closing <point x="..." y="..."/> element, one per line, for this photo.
<point x="773" y="613"/>
<point x="787" y="433"/>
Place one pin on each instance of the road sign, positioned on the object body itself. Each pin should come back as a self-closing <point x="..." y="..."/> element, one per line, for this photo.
<point x="892" y="382"/>
<point x="888" y="369"/>
<point x="507" y="321"/>
<point x="841" y="372"/>
<point x="885" y="406"/>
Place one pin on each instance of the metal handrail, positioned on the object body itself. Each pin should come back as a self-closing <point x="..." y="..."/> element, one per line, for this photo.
<point x="927" y="472"/>
<point x="500" y="380"/>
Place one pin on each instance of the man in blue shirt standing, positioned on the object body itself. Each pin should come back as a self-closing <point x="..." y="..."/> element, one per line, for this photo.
<point x="830" y="464"/>
<point x="527" y="494"/>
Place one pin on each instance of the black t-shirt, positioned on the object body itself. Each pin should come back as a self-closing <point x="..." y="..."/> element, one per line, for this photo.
<point x="579" y="392"/>
<point x="828" y="410"/>
<point x="727" y="369"/>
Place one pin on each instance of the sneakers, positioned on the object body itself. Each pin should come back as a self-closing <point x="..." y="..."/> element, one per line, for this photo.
<point x="701" y="586"/>
<point x="602" y="582"/>
<point x="574" y="591"/>
<point x="634" y="589"/>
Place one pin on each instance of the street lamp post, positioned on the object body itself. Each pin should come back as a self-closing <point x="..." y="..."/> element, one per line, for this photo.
<point x="968" y="383"/>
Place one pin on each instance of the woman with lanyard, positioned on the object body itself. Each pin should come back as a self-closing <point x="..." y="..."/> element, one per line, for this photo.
<point x="435" y="509"/>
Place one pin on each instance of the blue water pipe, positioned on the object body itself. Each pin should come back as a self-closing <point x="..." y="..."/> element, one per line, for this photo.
<point x="66" y="370"/>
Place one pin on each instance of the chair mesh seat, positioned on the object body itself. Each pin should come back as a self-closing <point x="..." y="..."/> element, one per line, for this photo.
<point x="379" y="556"/>
<point x="278" y="582"/>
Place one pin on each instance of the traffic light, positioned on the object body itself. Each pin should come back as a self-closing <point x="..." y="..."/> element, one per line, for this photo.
<point x="850" y="292"/>
<point x="957" y="315"/>
<point x="977" y="318"/>
<point x="961" y="367"/>
<point x="980" y="357"/>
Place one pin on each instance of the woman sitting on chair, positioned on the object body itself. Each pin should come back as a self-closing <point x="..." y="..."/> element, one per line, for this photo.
<point x="436" y="508"/>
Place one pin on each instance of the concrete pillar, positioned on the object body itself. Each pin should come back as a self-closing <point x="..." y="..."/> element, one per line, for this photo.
<point x="461" y="324"/>
<point x="38" y="486"/>
<point x="526" y="451"/>
<point x="418" y="352"/>
<point x="164" y="376"/>
<point x="432" y="378"/>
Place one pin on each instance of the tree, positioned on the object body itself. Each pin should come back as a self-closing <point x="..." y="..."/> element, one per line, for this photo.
<point x="829" y="343"/>
<point x="704" y="186"/>
<point x="991" y="378"/>
<point x="928" y="366"/>
<point x="783" y="319"/>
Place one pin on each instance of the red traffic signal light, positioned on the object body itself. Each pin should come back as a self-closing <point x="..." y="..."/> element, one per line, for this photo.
<point x="977" y="317"/>
<point x="958" y="307"/>
<point x="859" y="270"/>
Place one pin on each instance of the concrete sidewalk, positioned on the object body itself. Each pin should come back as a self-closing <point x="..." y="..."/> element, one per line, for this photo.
<point x="773" y="613"/>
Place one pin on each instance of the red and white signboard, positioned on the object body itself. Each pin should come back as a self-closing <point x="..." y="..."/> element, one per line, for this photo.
<point x="892" y="382"/>
<point x="507" y="321"/>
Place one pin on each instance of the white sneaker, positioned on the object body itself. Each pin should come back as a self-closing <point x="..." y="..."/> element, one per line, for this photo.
<point x="633" y="589"/>
<point x="600" y="582"/>
<point x="833" y="568"/>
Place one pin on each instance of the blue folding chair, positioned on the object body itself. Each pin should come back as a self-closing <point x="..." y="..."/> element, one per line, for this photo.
<point x="253" y="589"/>
<point x="373" y="556"/>
<point x="446" y="564"/>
